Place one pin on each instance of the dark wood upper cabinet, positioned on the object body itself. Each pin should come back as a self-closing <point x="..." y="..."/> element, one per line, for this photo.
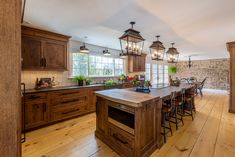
<point x="43" y="50"/>
<point x="31" y="53"/>
<point x="54" y="54"/>
<point x="136" y="63"/>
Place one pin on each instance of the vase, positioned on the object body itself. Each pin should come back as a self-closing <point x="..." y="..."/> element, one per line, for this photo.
<point x="80" y="83"/>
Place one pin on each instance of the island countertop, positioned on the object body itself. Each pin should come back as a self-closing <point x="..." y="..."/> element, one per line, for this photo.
<point x="135" y="99"/>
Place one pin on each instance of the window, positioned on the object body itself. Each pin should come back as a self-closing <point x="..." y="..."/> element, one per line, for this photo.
<point x="118" y="66"/>
<point x="157" y="73"/>
<point x="147" y="72"/>
<point x="95" y="66"/>
<point x="154" y="74"/>
<point x="166" y="76"/>
<point x="80" y="64"/>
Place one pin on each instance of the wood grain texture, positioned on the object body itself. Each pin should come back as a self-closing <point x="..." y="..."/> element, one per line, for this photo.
<point x="231" y="49"/>
<point x="75" y="138"/>
<point x="135" y="99"/>
<point x="44" y="50"/>
<point x="10" y="50"/>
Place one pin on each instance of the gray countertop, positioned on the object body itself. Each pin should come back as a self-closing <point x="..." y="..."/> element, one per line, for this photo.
<point x="28" y="91"/>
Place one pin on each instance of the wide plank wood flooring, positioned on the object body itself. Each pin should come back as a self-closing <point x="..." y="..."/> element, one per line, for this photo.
<point x="211" y="134"/>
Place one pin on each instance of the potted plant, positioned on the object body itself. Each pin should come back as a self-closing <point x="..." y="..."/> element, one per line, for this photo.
<point x="79" y="79"/>
<point x="171" y="71"/>
<point x="88" y="81"/>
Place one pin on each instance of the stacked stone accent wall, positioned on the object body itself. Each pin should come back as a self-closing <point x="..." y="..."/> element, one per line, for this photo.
<point x="217" y="71"/>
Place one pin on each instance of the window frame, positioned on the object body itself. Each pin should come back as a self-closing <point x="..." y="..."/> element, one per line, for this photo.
<point x="156" y="79"/>
<point x="88" y="66"/>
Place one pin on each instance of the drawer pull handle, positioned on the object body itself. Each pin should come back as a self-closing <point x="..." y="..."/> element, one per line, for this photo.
<point x="119" y="139"/>
<point x="34" y="97"/>
<point x="69" y="101"/>
<point x="70" y="93"/>
<point x="70" y="111"/>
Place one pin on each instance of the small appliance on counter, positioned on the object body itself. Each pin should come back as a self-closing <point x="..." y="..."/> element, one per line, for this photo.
<point x="43" y="83"/>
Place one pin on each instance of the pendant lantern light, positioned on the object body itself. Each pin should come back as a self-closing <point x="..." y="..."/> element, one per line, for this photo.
<point x="172" y="54"/>
<point x="131" y="42"/>
<point x="157" y="50"/>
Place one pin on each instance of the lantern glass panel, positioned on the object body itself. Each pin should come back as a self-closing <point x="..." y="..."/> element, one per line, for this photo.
<point x="131" y="46"/>
<point x="156" y="53"/>
<point x="172" y="56"/>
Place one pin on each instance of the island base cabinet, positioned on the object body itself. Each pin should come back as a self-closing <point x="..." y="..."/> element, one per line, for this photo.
<point x="130" y="131"/>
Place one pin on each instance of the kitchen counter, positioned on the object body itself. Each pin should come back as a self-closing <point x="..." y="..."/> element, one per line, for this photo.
<point x="28" y="91"/>
<point x="135" y="99"/>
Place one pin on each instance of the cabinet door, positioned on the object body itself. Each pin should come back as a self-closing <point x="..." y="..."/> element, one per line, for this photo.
<point x="142" y="63"/>
<point x="31" y="53"/>
<point x="55" y="54"/>
<point x="92" y="97"/>
<point x="35" y="114"/>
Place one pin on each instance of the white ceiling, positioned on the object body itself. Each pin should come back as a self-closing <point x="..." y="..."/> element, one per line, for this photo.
<point x="196" y="26"/>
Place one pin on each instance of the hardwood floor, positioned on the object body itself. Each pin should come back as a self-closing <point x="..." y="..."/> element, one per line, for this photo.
<point x="211" y="134"/>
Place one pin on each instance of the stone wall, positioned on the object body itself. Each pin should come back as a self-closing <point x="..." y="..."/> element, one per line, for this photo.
<point x="217" y="71"/>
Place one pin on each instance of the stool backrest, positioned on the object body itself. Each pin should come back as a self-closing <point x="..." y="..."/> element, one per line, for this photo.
<point x="191" y="92"/>
<point x="173" y="96"/>
<point x="183" y="94"/>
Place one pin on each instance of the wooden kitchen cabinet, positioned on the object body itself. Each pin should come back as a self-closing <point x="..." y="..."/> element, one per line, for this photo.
<point x="92" y="97"/>
<point x="43" y="50"/>
<point x="31" y="53"/>
<point x="36" y="109"/>
<point x="136" y="63"/>
<point x="55" y="54"/>
<point x="71" y="103"/>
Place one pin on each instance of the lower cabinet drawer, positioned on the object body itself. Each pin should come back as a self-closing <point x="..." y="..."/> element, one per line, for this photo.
<point x="70" y="111"/>
<point x="121" y="140"/>
<point x="62" y="102"/>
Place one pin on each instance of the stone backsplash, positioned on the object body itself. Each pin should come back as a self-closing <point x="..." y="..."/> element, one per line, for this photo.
<point x="217" y="71"/>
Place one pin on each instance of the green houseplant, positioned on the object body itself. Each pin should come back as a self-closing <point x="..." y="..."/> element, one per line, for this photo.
<point x="171" y="71"/>
<point x="88" y="81"/>
<point x="80" y="79"/>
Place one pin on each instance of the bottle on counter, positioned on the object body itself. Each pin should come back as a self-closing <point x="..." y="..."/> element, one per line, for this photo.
<point x="53" y="83"/>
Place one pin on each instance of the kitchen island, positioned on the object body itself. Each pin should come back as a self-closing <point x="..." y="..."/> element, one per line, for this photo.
<point x="130" y="122"/>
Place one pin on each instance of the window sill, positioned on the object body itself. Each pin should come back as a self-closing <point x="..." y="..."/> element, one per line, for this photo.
<point x="93" y="77"/>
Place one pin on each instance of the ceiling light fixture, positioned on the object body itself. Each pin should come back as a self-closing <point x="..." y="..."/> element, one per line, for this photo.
<point x="83" y="48"/>
<point x="157" y="50"/>
<point x="189" y="62"/>
<point x="131" y="42"/>
<point x="172" y="54"/>
<point x="106" y="52"/>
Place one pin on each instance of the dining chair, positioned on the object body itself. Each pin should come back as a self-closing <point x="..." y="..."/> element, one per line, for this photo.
<point x="201" y="85"/>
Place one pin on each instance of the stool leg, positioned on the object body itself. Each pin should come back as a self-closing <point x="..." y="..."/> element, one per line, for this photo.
<point x="191" y="109"/>
<point x="170" y="127"/>
<point x="164" y="127"/>
<point x="176" y="119"/>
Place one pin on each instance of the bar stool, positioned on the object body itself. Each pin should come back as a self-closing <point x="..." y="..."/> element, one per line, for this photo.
<point x="180" y="100"/>
<point x="189" y="105"/>
<point x="174" y="118"/>
<point x="167" y="109"/>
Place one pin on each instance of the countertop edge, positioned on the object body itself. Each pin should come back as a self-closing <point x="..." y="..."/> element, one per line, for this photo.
<point x="125" y="102"/>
